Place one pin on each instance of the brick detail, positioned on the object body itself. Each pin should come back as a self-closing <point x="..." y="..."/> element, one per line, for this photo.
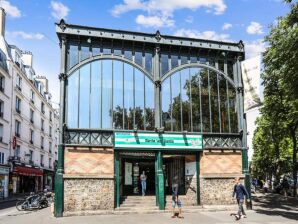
<point x="221" y="163"/>
<point x="99" y="161"/>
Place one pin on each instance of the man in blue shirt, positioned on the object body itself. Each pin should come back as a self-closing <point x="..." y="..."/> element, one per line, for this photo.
<point x="240" y="192"/>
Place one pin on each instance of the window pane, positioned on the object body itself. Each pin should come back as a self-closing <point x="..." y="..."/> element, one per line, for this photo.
<point x="95" y="51"/>
<point x="214" y="101"/>
<point x="230" y="69"/>
<point x="106" y="93"/>
<point x="118" y="95"/>
<point x="205" y="101"/>
<point x="174" y="61"/>
<point x="223" y="104"/>
<point x="139" y="99"/>
<point x="128" y="54"/>
<point x="95" y="94"/>
<point x="85" y="52"/>
<point x="233" y="109"/>
<point x="84" y="96"/>
<point x="72" y="101"/>
<point x="149" y="104"/>
<point x="128" y="97"/>
<point x="184" y="60"/>
<point x="185" y="97"/>
<point x="148" y="62"/>
<point x="195" y="98"/>
<point x="139" y="58"/>
<point x="176" y="102"/>
<point x="118" y="52"/>
<point x="73" y="55"/>
<point x="164" y="63"/>
<point x="221" y="65"/>
<point x="166" y="104"/>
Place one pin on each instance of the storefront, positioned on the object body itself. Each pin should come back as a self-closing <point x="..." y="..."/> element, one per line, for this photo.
<point x="4" y="177"/>
<point x="132" y="102"/>
<point x="26" y="179"/>
<point x="48" y="179"/>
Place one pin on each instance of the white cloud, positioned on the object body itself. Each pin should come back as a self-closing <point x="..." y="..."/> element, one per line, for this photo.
<point x="11" y="10"/>
<point x="60" y="11"/>
<point x="209" y="34"/>
<point x="254" y="48"/>
<point x="26" y="36"/>
<point x="189" y="19"/>
<point x="227" y="26"/>
<point x="166" y="8"/>
<point x="254" y="28"/>
<point x="154" y="21"/>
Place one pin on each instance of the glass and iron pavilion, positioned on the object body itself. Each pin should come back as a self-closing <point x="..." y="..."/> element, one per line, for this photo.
<point x="129" y="99"/>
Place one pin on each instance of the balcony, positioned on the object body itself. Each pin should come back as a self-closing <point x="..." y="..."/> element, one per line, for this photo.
<point x="32" y="121"/>
<point x="41" y="146"/>
<point x="19" y="88"/>
<point x="32" y="101"/>
<point x="31" y="142"/>
<point x="14" y="159"/>
<point x="2" y="89"/>
<point x="18" y="111"/>
<point x="17" y="134"/>
<point x="43" y="111"/>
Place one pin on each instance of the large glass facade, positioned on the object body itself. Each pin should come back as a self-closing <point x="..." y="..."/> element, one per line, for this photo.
<point x="110" y="94"/>
<point x="198" y="100"/>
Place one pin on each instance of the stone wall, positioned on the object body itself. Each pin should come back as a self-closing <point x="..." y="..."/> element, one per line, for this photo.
<point x="191" y="190"/>
<point x="82" y="194"/>
<point x="217" y="191"/>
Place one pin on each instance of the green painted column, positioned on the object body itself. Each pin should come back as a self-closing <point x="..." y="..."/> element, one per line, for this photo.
<point x="117" y="178"/>
<point x="160" y="175"/>
<point x="198" y="178"/>
<point x="59" y="191"/>
<point x="156" y="181"/>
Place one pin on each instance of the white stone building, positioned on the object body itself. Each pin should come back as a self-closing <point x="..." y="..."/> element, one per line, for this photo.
<point x="28" y="124"/>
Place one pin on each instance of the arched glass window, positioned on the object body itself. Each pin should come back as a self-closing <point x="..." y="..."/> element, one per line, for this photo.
<point x="110" y="94"/>
<point x="198" y="100"/>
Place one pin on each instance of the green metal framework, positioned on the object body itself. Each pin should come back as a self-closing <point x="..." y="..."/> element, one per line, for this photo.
<point x="148" y="53"/>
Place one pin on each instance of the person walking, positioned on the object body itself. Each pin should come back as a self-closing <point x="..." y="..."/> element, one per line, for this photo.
<point x="240" y="192"/>
<point x="285" y="186"/>
<point x="176" y="201"/>
<point x="143" y="178"/>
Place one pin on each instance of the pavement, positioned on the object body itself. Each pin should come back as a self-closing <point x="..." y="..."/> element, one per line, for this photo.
<point x="267" y="209"/>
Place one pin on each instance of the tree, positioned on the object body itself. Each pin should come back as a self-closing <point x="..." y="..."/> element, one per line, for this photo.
<point x="280" y="76"/>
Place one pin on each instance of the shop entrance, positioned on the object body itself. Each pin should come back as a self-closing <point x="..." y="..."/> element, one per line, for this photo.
<point x="131" y="170"/>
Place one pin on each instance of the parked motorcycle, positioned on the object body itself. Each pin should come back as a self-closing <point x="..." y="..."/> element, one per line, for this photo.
<point x="34" y="201"/>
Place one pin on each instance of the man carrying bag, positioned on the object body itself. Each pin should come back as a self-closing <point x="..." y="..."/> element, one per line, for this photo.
<point x="240" y="192"/>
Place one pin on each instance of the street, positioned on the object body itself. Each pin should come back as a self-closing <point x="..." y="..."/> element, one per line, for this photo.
<point x="267" y="209"/>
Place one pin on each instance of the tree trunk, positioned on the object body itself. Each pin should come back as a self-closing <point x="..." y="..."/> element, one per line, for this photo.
<point x="293" y="135"/>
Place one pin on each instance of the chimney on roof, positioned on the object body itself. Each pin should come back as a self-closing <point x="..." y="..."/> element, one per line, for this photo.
<point x="2" y="21"/>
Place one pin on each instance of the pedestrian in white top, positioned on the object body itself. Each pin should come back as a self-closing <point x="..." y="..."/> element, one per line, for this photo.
<point x="143" y="178"/>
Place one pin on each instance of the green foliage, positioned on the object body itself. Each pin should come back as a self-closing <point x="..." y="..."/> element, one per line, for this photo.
<point x="275" y="139"/>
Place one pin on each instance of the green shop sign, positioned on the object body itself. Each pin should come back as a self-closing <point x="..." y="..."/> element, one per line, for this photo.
<point x="158" y="141"/>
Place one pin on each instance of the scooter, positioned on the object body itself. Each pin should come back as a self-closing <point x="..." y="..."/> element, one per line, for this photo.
<point x="34" y="201"/>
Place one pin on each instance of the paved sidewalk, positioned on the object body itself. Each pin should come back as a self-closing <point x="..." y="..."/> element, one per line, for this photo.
<point x="13" y="198"/>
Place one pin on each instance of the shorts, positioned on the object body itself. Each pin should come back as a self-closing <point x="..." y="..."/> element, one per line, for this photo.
<point x="179" y="204"/>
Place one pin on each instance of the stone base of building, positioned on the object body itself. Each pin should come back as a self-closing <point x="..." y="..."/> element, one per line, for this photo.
<point x="88" y="194"/>
<point x="217" y="190"/>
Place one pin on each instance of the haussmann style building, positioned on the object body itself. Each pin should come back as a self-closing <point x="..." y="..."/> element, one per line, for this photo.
<point x="133" y="102"/>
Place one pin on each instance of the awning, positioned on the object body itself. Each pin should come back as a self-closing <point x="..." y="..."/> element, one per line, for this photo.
<point x="27" y="171"/>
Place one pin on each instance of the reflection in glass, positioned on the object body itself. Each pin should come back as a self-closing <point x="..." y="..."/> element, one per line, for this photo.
<point x="95" y="95"/>
<point x="214" y="101"/>
<point x="73" y="55"/>
<point x="221" y="65"/>
<point x="139" y="99"/>
<point x="149" y="105"/>
<point x="166" y="105"/>
<point x="148" y="62"/>
<point x="164" y="63"/>
<point x="233" y="109"/>
<point x="106" y="93"/>
<point x="73" y="100"/>
<point x="230" y="69"/>
<point x="176" y="101"/>
<point x="185" y="100"/>
<point x="84" y="96"/>
<point x="205" y="100"/>
<point x="195" y="98"/>
<point x="223" y="104"/>
<point x="128" y="97"/>
<point x="118" y="95"/>
<point x="85" y="53"/>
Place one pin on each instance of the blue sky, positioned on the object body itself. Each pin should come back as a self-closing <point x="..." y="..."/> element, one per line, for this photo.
<point x="30" y="23"/>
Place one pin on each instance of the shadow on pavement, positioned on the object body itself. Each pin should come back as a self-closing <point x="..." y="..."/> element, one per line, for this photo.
<point x="276" y="205"/>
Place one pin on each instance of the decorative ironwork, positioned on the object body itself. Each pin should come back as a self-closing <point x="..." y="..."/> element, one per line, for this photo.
<point x="222" y="142"/>
<point x="89" y="137"/>
<point x="62" y="76"/>
<point x="157" y="36"/>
